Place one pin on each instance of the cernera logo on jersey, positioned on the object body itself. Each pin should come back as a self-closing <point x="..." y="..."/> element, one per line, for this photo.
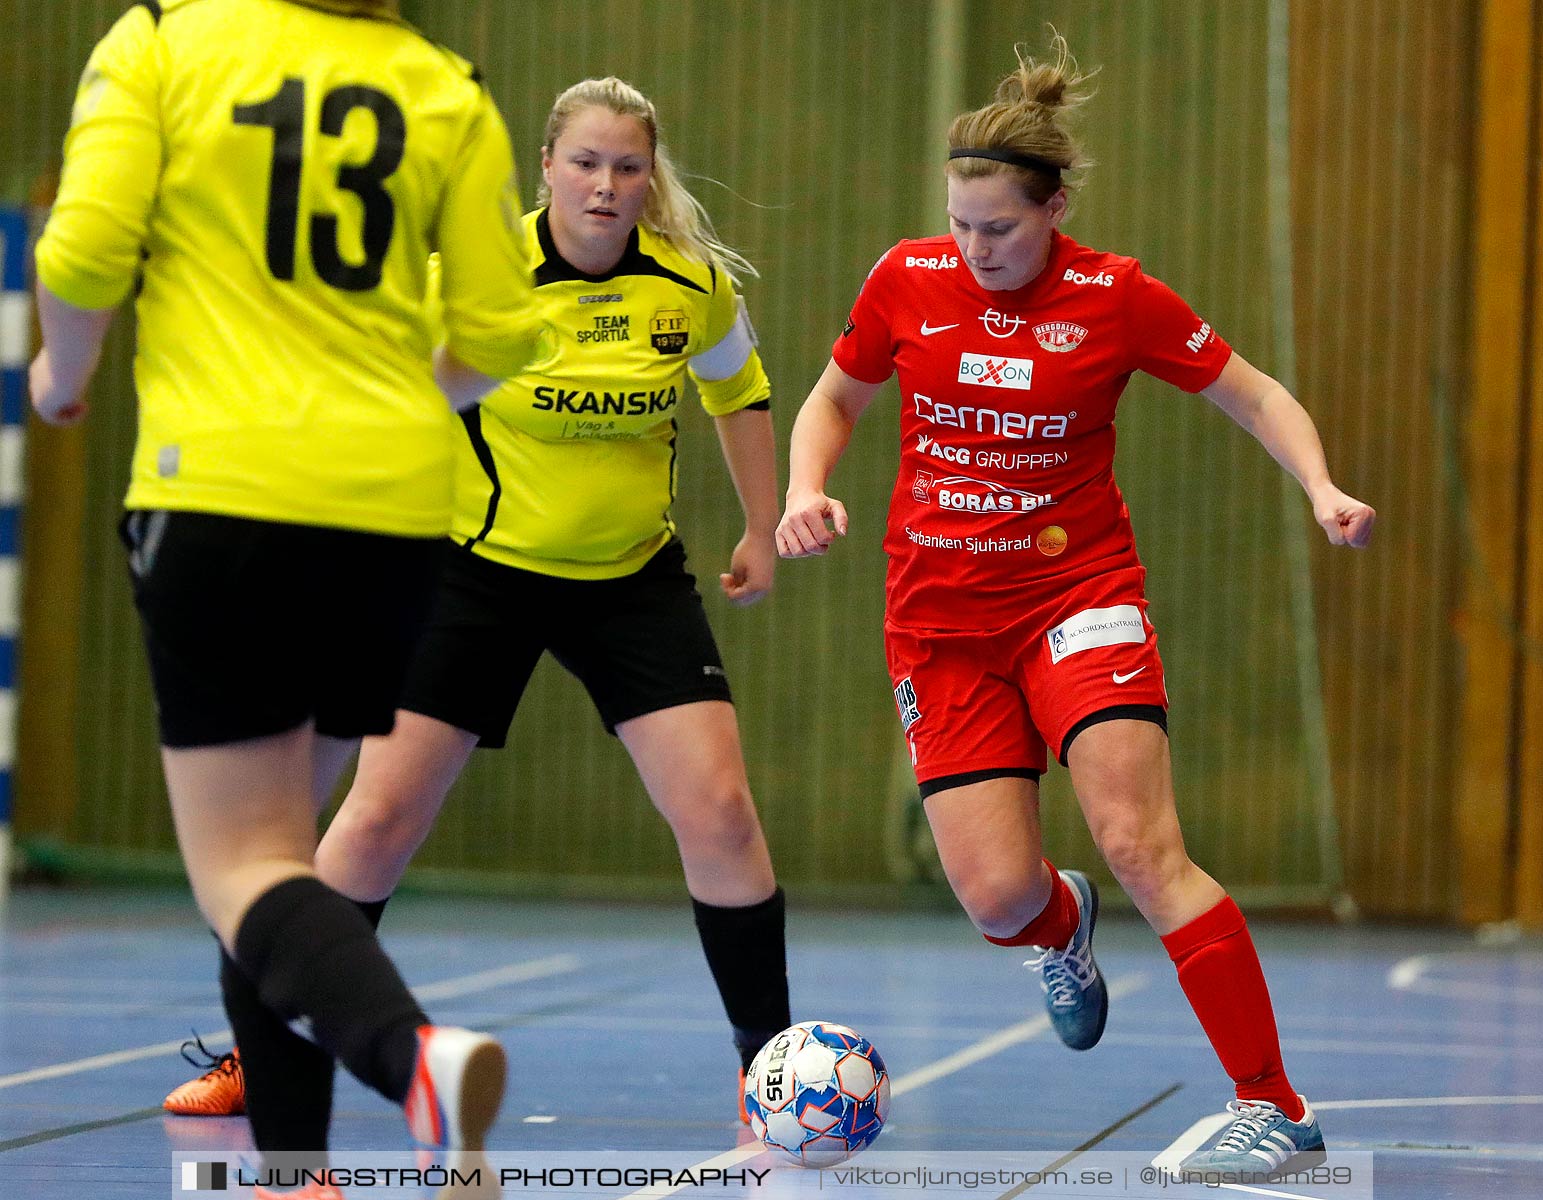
<point x="987" y="370"/>
<point x="964" y="494"/>
<point x="998" y="423"/>
<point x="1000" y="324"/>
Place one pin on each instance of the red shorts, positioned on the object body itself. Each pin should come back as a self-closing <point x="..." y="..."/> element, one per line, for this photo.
<point x="986" y="702"/>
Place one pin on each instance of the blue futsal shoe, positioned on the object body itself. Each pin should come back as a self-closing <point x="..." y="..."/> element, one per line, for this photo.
<point x="1075" y="996"/>
<point x="1261" y="1142"/>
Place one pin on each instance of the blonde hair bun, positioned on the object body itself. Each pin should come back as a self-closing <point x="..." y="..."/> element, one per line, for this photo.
<point x="1027" y="117"/>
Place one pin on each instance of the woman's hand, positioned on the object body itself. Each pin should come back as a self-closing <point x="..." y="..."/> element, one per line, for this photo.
<point x="1346" y="520"/>
<point x="749" y="576"/>
<point x="803" y="530"/>
<point x="53" y="402"/>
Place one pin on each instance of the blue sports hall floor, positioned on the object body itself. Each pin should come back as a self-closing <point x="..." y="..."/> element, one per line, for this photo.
<point x="1422" y="1052"/>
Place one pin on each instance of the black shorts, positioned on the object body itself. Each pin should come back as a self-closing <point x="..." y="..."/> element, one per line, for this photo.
<point x="255" y="627"/>
<point x="638" y="644"/>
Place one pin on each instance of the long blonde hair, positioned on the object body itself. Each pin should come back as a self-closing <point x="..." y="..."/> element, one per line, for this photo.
<point x="669" y="209"/>
<point x="1028" y="116"/>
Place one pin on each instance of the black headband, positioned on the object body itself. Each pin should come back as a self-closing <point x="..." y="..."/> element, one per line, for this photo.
<point x="1027" y="161"/>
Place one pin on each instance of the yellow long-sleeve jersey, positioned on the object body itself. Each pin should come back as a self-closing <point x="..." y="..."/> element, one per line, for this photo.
<point x="277" y="176"/>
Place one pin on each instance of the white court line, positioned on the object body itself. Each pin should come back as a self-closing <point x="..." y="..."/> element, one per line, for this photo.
<point x="1428" y="1102"/>
<point x="985" y="1048"/>
<point x="539" y="968"/>
<point x="722" y="1162"/>
<point x="465" y="985"/>
<point x="1406" y="971"/>
<point x="99" y="1062"/>
<point x="1408" y="975"/>
<point x="1259" y="1191"/>
<point x="1452" y="989"/>
<point x="1191" y="1140"/>
<point x="96" y="1008"/>
<point x="996" y="1043"/>
<point x="1426" y="1050"/>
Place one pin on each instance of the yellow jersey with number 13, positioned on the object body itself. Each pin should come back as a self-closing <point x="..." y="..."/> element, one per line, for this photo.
<point x="277" y="176"/>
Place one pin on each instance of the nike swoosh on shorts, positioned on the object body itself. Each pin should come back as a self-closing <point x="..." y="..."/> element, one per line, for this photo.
<point x="1118" y="678"/>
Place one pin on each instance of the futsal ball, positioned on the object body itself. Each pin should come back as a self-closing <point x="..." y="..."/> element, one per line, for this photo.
<point x="817" y="1092"/>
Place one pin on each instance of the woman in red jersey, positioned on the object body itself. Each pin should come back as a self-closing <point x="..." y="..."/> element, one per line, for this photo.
<point x="1015" y="619"/>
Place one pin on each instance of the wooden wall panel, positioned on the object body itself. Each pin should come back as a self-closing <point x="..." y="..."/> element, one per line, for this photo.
<point x="1503" y="374"/>
<point x="1382" y="126"/>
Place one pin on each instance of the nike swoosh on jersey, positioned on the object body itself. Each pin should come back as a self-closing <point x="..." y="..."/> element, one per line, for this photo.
<point x="1118" y="678"/>
<point x="929" y="330"/>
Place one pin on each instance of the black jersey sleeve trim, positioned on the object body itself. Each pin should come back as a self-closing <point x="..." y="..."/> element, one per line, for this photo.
<point x="555" y="268"/>
<point x="674" y="455"/>
<point x="154" y="7"/>
<point x="472" y="419"/>
<point x="758" y="406"/>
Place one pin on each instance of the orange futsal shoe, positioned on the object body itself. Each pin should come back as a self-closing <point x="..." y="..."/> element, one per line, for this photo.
<point x="219" y="1092"/>
<point x="744" y="1117"/>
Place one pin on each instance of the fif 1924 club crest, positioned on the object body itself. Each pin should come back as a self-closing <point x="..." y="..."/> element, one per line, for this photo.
<point x="669" y="330"/>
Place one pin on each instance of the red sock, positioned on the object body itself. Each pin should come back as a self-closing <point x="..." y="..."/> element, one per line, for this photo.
<point x="1056" y="922"/>
<point x="1220" y="973"/>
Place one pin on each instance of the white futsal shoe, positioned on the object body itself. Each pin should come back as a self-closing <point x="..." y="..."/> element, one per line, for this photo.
<point x="457" y="1086"/>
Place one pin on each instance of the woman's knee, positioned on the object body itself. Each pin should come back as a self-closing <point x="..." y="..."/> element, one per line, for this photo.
<point x="719" y="816"/>
<point x="1146" y="859"/>
<point x="999" y="904"/>
<point x="386" y="820"/>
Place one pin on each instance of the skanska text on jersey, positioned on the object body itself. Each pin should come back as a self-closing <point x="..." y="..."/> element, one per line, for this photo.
<point x="628" y="404"/>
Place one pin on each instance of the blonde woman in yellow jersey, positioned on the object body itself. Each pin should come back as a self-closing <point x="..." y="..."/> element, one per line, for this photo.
<point x="277" y="174"/>
<point x="563" y="542"/>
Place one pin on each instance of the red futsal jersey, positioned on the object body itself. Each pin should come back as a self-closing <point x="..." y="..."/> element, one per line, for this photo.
<point x="1006" y="476"/>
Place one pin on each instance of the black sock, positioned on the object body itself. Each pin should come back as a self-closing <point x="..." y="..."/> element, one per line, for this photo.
<point x="747" y="953"/>
<point x="311" y="953"/>
<point x="373" y="910"/>
<point x="288" y="1078"/>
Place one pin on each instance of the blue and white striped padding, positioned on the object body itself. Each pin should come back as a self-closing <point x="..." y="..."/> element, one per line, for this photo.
<point x="15" y="342"/>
